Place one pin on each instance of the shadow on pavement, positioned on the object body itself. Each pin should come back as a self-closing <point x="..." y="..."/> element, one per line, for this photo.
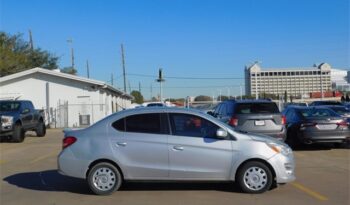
<point x="51" y="180"/>
<point x="318" y="147"/>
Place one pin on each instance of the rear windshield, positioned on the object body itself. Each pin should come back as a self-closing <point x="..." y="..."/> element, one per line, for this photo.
<point x="341" y="110"/>
<point x="311" y="113"/>
<point x="256" y="108"/>
<point x="9" y="106"/>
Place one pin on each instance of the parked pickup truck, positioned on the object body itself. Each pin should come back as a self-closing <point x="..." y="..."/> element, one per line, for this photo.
<point x="19" y="116"/>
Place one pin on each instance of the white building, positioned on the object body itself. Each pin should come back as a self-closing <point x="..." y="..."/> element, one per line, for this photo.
<point x="68" y="100"/>
<point x="340" y="79"/>
<point x="294" y="81"/>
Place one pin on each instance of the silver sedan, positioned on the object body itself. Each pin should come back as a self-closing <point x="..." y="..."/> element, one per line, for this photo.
<point x="172" y="144"/>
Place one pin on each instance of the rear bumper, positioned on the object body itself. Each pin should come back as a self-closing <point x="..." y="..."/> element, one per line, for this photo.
<point x="69" y="165"/>
<point x="324" y="137"/>
<point x="280" y="135"/>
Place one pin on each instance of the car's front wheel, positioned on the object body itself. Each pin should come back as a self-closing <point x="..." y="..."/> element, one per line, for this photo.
<point x="104" y="179"/>
<point x="254" y="177"/>
<point x="18" y="133"/>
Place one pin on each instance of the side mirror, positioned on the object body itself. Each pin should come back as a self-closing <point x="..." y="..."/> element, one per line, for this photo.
<point x="210" y="113"/>
<point x="221" y="133"/>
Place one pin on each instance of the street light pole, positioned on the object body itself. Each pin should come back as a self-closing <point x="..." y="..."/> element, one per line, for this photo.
<point x="160" y="80"/>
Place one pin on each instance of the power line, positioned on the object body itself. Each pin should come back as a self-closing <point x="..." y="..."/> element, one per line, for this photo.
<point x="188" y="78"/>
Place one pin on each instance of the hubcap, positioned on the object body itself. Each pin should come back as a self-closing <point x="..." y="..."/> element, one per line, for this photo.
<point x="104" y="179"/>
<point x="255" y="178"/>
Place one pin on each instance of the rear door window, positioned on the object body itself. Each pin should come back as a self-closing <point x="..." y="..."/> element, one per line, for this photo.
<point x="256" y="108"/>
<point x="154" y="123"/>
<point x="311" y="113"/>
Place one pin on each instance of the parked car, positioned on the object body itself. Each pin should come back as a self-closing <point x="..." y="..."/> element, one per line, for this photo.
<point x="325" y="102"/>
<point x="258" y="116"/>
<point x="308" y="125"/>
<point x="19" y="116"/>
<point x="340" y="110"/>
<point x="162" y="143"/>
<point x="294" y="104"/>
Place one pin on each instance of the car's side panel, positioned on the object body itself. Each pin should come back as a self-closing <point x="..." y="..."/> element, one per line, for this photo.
<point x="144" y="156"/>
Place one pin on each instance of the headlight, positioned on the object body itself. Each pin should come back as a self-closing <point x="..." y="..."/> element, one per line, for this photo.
<point x="6" y="121"/>
<point x="279" y="148"/>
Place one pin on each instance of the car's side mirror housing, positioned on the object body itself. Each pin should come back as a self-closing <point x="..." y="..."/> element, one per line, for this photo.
<point x="221" y="133"/>
<point x="210" y="113"/>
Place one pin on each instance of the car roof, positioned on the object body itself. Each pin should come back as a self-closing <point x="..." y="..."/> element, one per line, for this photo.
<point x="249" y="101"/>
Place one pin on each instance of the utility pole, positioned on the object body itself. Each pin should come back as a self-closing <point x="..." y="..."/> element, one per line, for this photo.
<point x="70" y="41"/>
<point x="112" y="79"/>
<point x="140" y="87"/>
<point x="129" y="86"/>
<point x="151" y="92"/>
<point x="31" y="45"/>
<point x="256" y="85"/>
<point x="123" y="64"/>
<point x="321" y="83"/>
<point x="160" y="80"/>
<point x="87" y="69"/>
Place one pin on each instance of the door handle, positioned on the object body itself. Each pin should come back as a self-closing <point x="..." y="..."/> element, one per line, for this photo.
<point x="178" y="148"/>
<point x="121" y="144"/>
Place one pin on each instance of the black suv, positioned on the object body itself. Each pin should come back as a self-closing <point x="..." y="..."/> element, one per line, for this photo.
<point x="258" y="116"/>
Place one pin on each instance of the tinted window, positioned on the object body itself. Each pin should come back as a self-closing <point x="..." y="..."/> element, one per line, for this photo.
<point x="256" y="108"/>
<point x="193" y="126"/>
<point x="341" y="110"/>
<point x="119" y="125"/>
<point x="310" y="113"/>
<point x="144" y="123"/>
<point x="9" y="106"/>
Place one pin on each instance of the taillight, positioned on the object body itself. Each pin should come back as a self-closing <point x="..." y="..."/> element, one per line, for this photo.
<point x="67" y="141"/>
<point x="343" y="123"/>
<point x="233" y="122"/>
<point x="284" y="120"/>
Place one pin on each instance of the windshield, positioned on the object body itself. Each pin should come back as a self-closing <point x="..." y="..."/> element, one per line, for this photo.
<point x="318" y="112"/>
<point x="9" y="106"/>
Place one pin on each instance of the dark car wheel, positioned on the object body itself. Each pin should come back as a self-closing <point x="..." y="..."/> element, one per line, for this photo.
<point x="41" y="129"/>
<point x="104" y="179"/>
<point x="254" y="177"/>
<point x="18" y="133"/>
<point x="292" y="139"/>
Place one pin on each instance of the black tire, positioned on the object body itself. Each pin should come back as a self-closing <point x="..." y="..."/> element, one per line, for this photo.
<point x="104" y="179"/>
<point x="254" y="177"/>
<point x="18" y="133"/>
<point x="40" y="129"/>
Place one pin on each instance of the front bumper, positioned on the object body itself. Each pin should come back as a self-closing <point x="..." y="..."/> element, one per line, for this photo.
<point x="284" y="167"/>
<point x="6" y="130"/>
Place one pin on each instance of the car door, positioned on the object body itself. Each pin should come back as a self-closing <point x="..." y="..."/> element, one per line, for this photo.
<point x="25" y="115"/>
<point x="194" y="150"/>
<point x="140" y="145"/>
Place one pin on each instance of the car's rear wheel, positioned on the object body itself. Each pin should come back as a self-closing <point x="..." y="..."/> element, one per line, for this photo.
<point x="18" y="133"/>
<point x="40" y="129"/>
<point x="104" y="179"/>
<point x="254" y="177"/>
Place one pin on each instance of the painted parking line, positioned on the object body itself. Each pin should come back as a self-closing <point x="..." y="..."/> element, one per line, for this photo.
<point x="43" y="157"/>
<point x="310" y="192"/>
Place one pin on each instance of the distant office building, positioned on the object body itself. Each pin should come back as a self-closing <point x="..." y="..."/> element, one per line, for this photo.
<point x="296" y="81"/>
<point x="340" y="79"/>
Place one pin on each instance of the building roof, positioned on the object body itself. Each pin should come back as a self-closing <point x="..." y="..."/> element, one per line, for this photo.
<point x="67" y="76"/>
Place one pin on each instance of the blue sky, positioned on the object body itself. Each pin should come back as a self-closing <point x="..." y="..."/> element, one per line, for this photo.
<point x="187" y="38"/>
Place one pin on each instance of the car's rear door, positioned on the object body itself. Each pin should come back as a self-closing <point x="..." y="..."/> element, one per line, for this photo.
<point x="195" y="152"/>
<point x="140" y="144"/>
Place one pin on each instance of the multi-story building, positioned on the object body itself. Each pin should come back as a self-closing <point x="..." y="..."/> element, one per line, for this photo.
<point x="295" y="81"/>
<point x="340" y="79"/>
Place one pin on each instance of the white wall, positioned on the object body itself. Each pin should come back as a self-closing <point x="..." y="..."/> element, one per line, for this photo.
<point x="81" y="97"/>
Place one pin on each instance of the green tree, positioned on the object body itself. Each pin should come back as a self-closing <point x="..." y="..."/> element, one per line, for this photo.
<point x="16" y="55"/>
<point x="138" y="97"/>
<point x="203" y="98"/>
<point x="69" y="70"/>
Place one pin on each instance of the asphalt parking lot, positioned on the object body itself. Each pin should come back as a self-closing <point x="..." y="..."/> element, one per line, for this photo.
<point x="29" y="176"/>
